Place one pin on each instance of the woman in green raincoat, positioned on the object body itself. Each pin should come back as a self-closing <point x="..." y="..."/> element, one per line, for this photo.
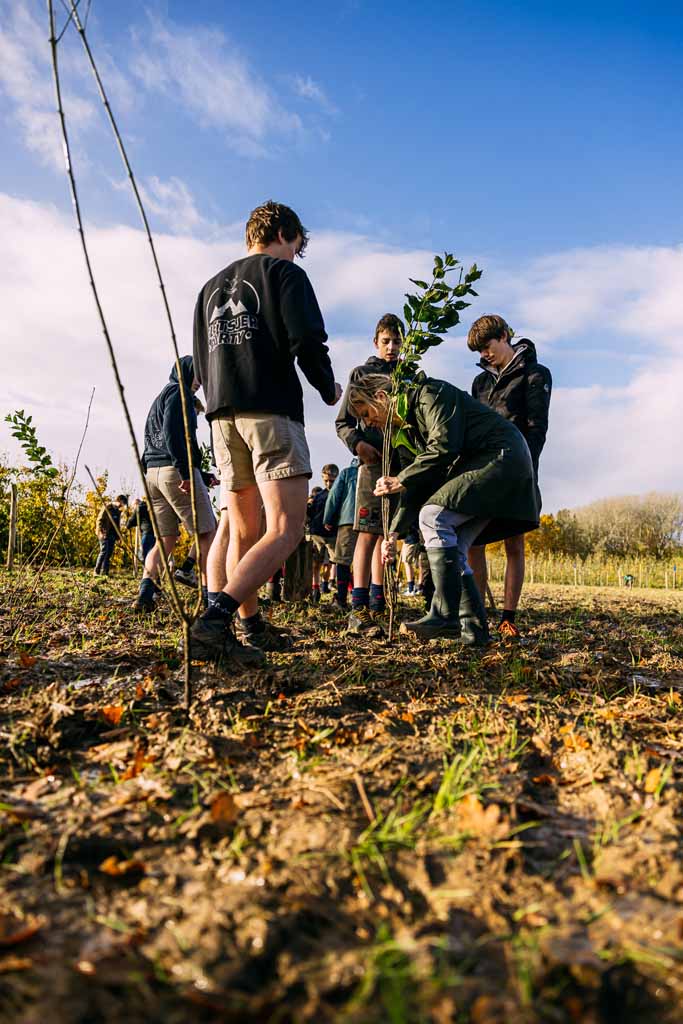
<point x="467" y="477"/>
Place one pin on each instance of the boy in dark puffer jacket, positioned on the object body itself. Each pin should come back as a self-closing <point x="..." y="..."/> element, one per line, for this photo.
<point x="514" y="384"/>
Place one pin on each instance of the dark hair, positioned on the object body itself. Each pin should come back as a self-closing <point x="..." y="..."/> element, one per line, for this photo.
<point x="485" y="329"/>
<point x="331" y="469"/>
<point x="390" y="322"/>
<point x="122" y="498"/>
<point x="314" y="491"/>
<point x="266" y="222"/>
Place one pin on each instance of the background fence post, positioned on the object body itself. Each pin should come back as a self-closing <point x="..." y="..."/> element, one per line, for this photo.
<point x="12" y="526"/>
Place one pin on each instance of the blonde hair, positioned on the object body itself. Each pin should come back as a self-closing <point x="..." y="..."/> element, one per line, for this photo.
<point x="367" y="388"/>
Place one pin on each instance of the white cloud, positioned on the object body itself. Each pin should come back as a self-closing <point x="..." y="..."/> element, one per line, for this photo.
<point x="353" y="272"/>
<point x="308" y="89"/>
<point x="174" y="204"/>
<point x="632" y="291"/>
<point x="25" y="78"/>
<point x="202" y="70"/>
<point x="602" y="441"/>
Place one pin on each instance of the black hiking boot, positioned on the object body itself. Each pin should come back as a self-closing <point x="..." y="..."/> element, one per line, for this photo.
<point x="268" y="638"/>
<point x="188" y="577"/>
<point x="363" y="621"/>
<point x="442" y="621"/>
<point x="147" y="599"/>
<point x="213" y="639"/>
<point x="473" y="620"/>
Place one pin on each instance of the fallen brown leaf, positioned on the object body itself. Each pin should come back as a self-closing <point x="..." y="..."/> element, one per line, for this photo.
<point x="115" y="867"/>
<point x="14" y="930"/>
<point x="10" y="685"/>
<point x="473" y="817"/>
<point x="113" y="713"/>
<point x="223" y="809"/>
<point x="544" y="780"/>
<point x="15" y="963"/>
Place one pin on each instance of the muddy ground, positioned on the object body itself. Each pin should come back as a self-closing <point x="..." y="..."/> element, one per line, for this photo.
<point x="361" y="833"/>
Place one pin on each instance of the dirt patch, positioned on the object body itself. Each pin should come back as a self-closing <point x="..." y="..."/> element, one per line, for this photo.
<point x="362" y="832"/>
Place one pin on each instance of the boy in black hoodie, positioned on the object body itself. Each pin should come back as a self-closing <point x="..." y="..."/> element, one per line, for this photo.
<point x="167" y="472"/>
<point x="366" y="443"/>
<point x="253" y="320"/>
<point x="514" y="384"/>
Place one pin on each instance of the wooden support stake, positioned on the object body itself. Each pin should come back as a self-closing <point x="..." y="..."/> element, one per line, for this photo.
<point x="491" y="598"/>
<point x="12" y="526"/>
<point x="298" y="573"/>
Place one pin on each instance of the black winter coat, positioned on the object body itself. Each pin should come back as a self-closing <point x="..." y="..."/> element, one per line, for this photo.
<point x="521" y="393"/>
<point x="165" y="443"/>
<point x="349" y="428"/>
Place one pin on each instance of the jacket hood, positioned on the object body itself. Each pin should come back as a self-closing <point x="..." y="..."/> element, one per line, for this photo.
<point x="187" y="369"/>
<point x="524" y="349"/>
<point x="380" y="365"/>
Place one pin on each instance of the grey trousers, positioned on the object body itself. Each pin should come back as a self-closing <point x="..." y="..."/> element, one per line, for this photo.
<point x="442" y="528"/>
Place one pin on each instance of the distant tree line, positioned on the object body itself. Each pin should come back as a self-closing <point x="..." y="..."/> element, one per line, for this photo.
<point x="639" y="525"/>
<point x="642" y="525"/>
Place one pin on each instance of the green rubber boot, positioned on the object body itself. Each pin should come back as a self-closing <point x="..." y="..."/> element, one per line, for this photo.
<point x="443" y="619"/>
<point x="473" y="621"/>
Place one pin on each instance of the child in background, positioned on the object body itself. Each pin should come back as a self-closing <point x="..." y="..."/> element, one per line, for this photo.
<point x="323" y="540"/>
<point x="339" y="515"/>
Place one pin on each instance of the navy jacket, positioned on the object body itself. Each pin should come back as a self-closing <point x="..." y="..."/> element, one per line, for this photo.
<point x="340" y="507"/>
<point x="316" y="514"/>
<point x="164" y="431"/>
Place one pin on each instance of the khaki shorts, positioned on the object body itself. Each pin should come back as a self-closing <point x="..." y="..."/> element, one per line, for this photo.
<point x="368" y="518"/>
<point x="173" y="506"/>
<point x="323" y="550"/>
<point x="410" y="553"/>
<point x="255" y="447"/>
<point x="345" y="545"/>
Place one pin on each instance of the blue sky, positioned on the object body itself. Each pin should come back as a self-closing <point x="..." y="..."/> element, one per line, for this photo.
<point x="542" y="141"/>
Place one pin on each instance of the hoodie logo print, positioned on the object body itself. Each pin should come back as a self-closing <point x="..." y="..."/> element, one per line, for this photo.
<point x="232" y="313"/>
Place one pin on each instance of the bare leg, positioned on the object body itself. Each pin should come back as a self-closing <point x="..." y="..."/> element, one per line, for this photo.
<point x="476" y="557"/>
<point x="244" y="512"/>
<point x="377" y="567"/>
<point x="514" y="571"/>
<point x="252" y="561"/>
<point x="205" y="542"/>
<point x="218" y="554"/>
<point x="153" y="560"/>
<point x="362" y="559"/>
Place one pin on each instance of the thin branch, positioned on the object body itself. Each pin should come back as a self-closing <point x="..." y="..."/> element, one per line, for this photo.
<point x="143" y="215"/>
<point x="68" y="20"/>
<point x="175" y="599"/>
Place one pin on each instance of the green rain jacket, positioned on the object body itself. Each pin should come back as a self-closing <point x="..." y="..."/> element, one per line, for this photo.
<point x="465" y="457"/>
